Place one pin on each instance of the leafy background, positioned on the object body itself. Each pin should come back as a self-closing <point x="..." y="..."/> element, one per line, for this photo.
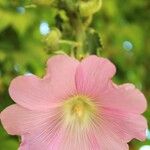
<point x="122" y="26"/>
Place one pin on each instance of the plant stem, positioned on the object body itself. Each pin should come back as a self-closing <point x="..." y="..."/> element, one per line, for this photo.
<point x="73" y="43"/>
<point x="80" y="37"/>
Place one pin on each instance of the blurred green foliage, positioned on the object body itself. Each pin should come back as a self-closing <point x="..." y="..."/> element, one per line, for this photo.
<point x="119" y="31"/>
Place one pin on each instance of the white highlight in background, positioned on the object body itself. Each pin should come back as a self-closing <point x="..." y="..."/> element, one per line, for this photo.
<point x="21" y="10"/>
<point x="145" y="147"/>
<point x="148" y="134"/>
<point x="28" y="74"/>
<point x="127" y="45"/>
<point x="44" y="28"/>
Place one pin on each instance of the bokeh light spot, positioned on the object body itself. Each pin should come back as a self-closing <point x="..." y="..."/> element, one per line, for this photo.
<point x="145" y="147"/>
<point x="44" y="28"/>
<point x="28" y="74"/>
<point x="148" y="134"/>
<point x="20" y="10"/>
<point x="127" y="45"/>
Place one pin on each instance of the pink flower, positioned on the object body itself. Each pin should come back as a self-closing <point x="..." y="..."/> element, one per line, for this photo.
<point x="76" y="106"/>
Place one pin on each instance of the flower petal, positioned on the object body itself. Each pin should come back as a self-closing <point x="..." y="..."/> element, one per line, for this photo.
<point x="61" y="70"/>
<point x="41" y="94"/>
<point x="57" y="139"/>
<point x="124" y="97"/>
<point x="125" y="125"/>
<point x="31" y="92"/>
<point x="48" y="137"/>
<point x="18" y="120"/>
<point x="93" y="74"/>
<point x="24" y="145"/>
<point x="105" y="139"/>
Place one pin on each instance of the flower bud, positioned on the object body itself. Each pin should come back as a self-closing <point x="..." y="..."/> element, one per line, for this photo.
<point x="89" y="8"/>
<point x="52" y="39"/>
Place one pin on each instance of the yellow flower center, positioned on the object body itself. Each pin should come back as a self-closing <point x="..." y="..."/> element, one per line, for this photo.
<point x="78" y="110"/>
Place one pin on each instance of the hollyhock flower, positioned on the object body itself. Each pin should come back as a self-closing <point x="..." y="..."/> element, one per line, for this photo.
<point x="76" y="106"/>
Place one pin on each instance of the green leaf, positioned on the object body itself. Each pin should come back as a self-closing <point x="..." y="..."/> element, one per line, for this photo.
<point x="93" y="41"/>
